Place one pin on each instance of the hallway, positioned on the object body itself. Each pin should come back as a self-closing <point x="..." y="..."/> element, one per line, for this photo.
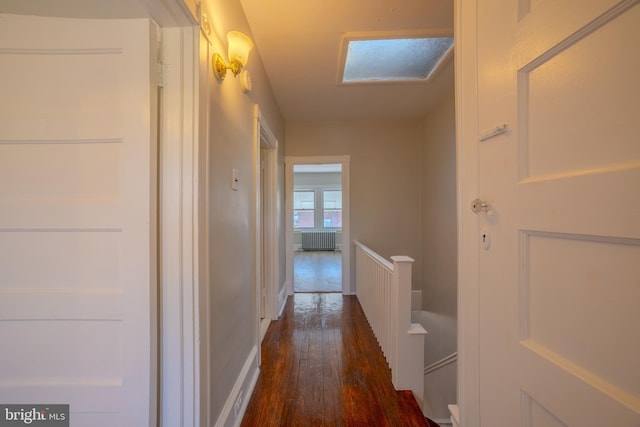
<point x="321" y="366"/>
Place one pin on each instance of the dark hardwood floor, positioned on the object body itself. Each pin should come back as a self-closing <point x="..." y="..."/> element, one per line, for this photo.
<point x="321" y="366"/>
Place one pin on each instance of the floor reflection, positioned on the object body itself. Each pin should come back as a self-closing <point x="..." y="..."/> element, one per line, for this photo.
<point x="321" y="310"/>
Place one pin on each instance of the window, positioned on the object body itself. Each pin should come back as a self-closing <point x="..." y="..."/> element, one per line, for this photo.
<point x="304" y="209"/>
<point x="317" y="208"/>
<point x="393" y="59"/>
<point x="332" y="208"/>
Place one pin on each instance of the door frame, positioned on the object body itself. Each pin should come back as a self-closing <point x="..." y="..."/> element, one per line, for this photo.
<point x="466" y="106"/>
<point x="180" y="173"/>
<point x="290" y="162"/>
<point x="267" y="260"/>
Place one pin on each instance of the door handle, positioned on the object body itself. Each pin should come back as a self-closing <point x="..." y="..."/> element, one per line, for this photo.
<point x="480" y="206"/>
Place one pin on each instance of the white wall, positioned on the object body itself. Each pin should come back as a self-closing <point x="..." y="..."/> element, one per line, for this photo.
<point x="231" y="214"/>
<point x="439" y="251"/>
<point x="384" y="177"/>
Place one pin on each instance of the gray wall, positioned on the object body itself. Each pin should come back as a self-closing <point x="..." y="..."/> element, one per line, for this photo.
<point x="384" y="178"/>
<point x="231" y="218"/>
<point x="439" y="251"/>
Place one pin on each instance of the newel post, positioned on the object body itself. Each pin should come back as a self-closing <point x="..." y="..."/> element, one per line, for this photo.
<point x="408" y="372"/>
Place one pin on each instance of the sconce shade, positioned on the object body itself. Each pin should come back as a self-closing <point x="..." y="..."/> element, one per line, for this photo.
<point x="239" y="47"/>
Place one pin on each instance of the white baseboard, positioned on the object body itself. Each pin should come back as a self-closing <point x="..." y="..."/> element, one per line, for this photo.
<point x="455" y="415"/>
<point x="282" y="298"/>
<point x="264" y="325"/>
<point x="244" y="386"/>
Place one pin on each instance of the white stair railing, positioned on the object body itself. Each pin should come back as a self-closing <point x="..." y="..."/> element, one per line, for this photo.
<point x="383" y="289"/>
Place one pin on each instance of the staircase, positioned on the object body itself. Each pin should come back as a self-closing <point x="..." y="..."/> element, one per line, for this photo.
<point x="411" y="410"/>
<point x="383" y="289"/>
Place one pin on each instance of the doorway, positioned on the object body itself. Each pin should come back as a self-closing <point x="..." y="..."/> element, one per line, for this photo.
<point x="317" y="228"/>
<point x="267" y="248"/>
<point x="317" y="211"/>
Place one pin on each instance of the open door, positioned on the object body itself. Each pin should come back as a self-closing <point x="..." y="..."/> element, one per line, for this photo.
<point x="557" y="230"/>
<point x="78" y="217"/>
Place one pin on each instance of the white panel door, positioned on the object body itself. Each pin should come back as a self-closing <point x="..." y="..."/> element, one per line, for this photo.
<point x="559" y="281"/>
<point x="78" y="217"/>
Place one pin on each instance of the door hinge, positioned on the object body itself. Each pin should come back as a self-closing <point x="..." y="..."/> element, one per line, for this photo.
<point x="162" y="70"/>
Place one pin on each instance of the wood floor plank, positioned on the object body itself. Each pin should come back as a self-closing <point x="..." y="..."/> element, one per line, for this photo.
<point x="321" y="366"/>
<point x="331" y="378"/>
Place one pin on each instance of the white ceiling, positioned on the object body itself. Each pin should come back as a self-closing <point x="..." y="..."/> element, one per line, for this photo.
<point x="299" y="42"/>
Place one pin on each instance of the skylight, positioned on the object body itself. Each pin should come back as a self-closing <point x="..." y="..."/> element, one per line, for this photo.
<point x="398" y="59"/>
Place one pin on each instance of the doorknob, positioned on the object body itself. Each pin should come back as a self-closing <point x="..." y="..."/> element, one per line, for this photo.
<point x="479" y="206"/>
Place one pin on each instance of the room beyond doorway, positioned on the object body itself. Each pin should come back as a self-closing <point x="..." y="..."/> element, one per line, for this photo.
<point x="330" y="220"/>
<point x="317" y="227"/>
<point x="317" y="271"/>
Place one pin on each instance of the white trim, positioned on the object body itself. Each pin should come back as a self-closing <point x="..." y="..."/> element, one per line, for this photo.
<point x="272" y="257"/>
<point x="180" y="369"/>
<point x="264" y="325"/>
<point x="266" y="262"/>
<point x="202" y="130"/>
<point x="282" y="297"/>
<point x="374" y="255"/>
<point x="455" y="415"/>
<point x="441" y="363"/>
<point x="466" y="76"/>
<point x="245" y="383"/>
<point x="346" y="239"/>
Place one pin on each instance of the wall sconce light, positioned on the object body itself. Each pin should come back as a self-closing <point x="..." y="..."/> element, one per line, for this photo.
<point x="239" y="47"/>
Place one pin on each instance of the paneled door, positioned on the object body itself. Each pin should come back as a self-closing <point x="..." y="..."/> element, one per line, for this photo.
<point x="78" y="217"/>
<point x="559" y="237"/>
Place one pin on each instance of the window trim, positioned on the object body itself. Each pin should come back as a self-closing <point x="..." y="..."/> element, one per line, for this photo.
<point x="318" y="205"/>
<point x="314" y="209"/>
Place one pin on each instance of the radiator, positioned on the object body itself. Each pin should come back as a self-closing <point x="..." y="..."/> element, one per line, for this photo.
<point x="319" y="240"/>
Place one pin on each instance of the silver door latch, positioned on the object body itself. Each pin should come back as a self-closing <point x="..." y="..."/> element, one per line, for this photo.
<point x="479" y="206"/>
